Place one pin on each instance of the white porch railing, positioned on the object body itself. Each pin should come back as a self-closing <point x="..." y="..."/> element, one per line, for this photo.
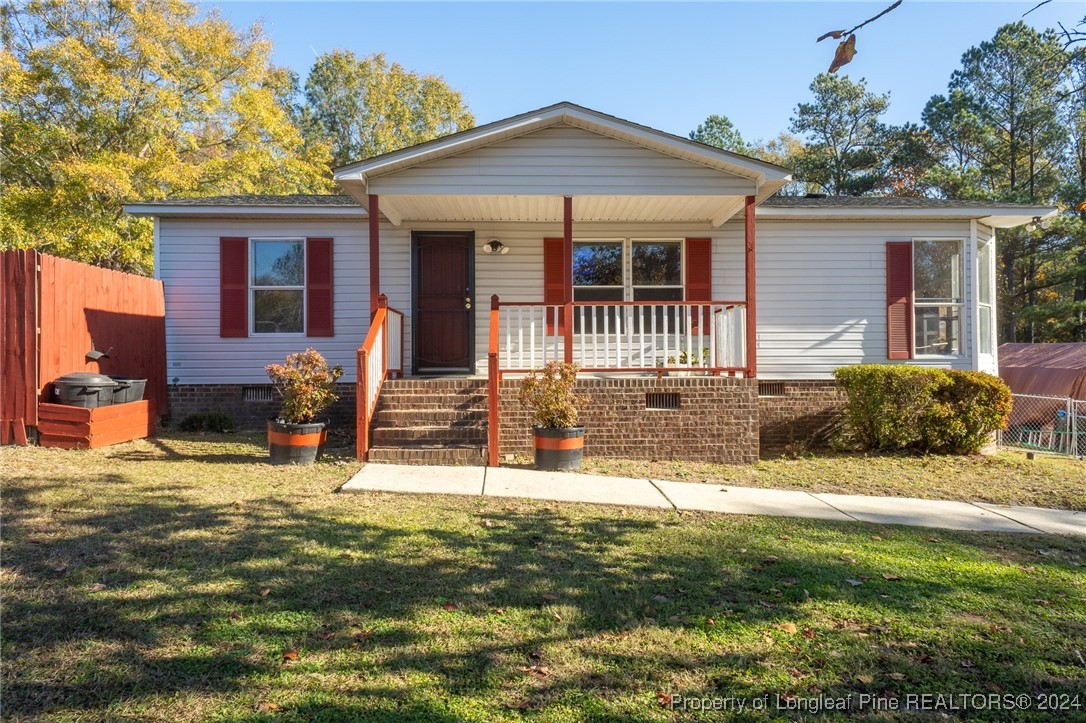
<point x="708" y="336"/>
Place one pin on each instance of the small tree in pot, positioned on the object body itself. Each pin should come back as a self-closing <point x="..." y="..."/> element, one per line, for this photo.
<point x="307" y="385"/>
<point x="559" y="441"/>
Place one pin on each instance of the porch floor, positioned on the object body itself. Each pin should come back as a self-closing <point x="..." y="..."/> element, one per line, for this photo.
<point x="565" y="487"/>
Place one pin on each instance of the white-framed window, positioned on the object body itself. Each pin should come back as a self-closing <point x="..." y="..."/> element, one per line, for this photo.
<point x="937" y="296"/>
<point x="277" y="286"/>
<point x="985" y="302"/>
<point x="626" y="270"/>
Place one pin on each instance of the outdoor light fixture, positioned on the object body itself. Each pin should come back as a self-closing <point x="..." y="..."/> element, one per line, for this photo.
<point x="495" y="246"/>
<point x="1040" y="223"/>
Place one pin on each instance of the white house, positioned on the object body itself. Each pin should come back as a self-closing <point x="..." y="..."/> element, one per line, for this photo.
<point x="637" y="254"/>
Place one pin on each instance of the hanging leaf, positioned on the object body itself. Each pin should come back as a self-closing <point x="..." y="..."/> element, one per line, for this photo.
<point x="846" y="51"/>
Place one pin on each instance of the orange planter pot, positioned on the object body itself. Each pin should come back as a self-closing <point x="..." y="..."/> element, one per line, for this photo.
<point x="296" y="443"/>
<point x="557" y="449"/>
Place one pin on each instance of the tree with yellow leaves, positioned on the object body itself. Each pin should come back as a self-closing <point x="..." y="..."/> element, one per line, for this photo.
<point x="366" y="106"/>
<point x="110" y="102"/>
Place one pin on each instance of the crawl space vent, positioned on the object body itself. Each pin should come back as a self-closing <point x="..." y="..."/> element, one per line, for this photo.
<point x="662" y="400"/>
<point x="770" y="389"/>
<point x="258" y="394"/>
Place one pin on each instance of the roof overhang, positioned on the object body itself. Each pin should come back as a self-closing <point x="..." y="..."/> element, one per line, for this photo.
<point x="355" y="177"/>
<point x="994" y="216"/>
<point x="166" y="210"/>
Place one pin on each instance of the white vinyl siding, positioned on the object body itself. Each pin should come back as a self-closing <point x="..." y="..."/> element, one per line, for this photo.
<point x="561" y="161"/>
<point x="189" y="267"/>
<point x="822" y="294"/>
<point x="821" y="288"/>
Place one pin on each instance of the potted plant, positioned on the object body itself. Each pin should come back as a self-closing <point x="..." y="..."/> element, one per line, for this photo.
<point x="307" y="386"/>
<point x="693" y="359"/>
<point x="559" y="441"/>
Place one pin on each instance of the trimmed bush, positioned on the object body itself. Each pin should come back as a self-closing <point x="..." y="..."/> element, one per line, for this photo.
<point x="207" y="422"/>
<point x="967" y="412"/>
<point x="896" y="407"/>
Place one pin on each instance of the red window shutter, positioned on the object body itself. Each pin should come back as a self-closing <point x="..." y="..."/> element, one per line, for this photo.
<point x="899" y="300"/>
<point x="554" y="276"/>
<point x="318" y="288"/>
<point x="233" y="287"/>
<point x="699" y="271"/>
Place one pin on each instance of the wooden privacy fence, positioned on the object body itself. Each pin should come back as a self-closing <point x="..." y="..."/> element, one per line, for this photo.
<point x="53" y="312"/>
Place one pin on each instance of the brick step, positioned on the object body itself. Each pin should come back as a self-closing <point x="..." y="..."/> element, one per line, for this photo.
<point x="430" y="454"/>
<point x="399" y="417"/>
<point x="394" y="401"/>
<point x="441" y="386"/>
<point x="443" y="435"/>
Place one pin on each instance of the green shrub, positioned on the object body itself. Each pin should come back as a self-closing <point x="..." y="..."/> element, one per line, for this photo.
<point x="886" y="403"/>
<point x="967" y="412"/>
<point x="307" y="385"/>
<point x="551" y="397"/>
<point x="896" y="407"/>
<point x="207" y="422"/>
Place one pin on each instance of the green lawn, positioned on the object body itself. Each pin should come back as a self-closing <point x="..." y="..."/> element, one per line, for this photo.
<point x="1006" y="478"/>
<point x="184" y="579"/>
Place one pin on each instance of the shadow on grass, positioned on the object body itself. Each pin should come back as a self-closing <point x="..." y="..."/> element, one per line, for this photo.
<point x="243" y="582"/>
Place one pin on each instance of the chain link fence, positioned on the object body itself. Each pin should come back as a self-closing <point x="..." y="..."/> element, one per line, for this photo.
<point x="1056" y="425"/>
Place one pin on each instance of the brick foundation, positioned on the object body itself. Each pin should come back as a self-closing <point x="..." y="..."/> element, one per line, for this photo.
<point x="717" y="420"/>
<point x="720" y="419"/>
<point x="186" y="399"/>
<point x="803" y="417"/>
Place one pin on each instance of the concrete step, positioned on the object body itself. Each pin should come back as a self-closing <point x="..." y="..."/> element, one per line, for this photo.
<point x="408" y="436"/>
<point x="399" y="417"/>
<point x="440" y="385"/>
<point x="430" y="454"/>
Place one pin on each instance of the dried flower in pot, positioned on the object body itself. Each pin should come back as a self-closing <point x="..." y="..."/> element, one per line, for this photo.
<point x="307" y="386"/>
<point x="559" y="441"/>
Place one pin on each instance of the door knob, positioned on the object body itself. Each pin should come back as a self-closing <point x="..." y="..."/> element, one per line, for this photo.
<point x="467" y="303"/>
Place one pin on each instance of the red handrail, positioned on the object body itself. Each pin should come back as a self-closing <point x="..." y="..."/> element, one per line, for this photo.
<point x="493" y="383"/>
<point x="364" y="405"/>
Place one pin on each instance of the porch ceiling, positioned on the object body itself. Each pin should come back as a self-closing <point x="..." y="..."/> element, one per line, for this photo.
<point x="713" y="210"/>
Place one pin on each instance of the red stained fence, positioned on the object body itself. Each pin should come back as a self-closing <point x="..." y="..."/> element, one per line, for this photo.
<point x="53" y="312"/>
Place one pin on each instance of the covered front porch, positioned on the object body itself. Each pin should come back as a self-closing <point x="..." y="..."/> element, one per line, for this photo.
<point x="559" y="235"/>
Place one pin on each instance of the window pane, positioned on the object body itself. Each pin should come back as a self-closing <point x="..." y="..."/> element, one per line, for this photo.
<point x="985" y="325"/>
<point x="597" y="264"/>
<point x="651" y="294"/>
<point x="278" y="263"/>
<point x="937" y="330"/>
<point x="937" y="270"/>
<point x="657" y="263"/>
<point x="984" y="273"/>
<point x="278" y="311"/>
<point x="594" y="315"/>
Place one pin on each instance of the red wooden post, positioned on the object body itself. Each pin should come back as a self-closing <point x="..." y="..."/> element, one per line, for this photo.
<point x="752" y="290"/>
<point x="493" y="382"/>
<point x="375" y="252"/>
<point x="567" y="274"/>
<point x="382" y="303"/>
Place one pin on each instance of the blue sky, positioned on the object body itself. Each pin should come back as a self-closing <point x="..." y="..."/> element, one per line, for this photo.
<point x="667" y="65"/>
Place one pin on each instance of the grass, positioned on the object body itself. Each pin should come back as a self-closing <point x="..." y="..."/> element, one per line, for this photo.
<point x="1005" y="478"/>
<point x="184" y="579"/>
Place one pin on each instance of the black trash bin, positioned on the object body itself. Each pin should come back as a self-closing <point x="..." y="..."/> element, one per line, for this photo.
<point x="128" y="389"/>
<point x="84" y="389"/>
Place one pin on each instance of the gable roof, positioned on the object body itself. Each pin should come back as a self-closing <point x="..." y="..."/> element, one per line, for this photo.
<point x="252" y="204"/>
<point x="573" y="115"/>
<point x="990" y="213"/>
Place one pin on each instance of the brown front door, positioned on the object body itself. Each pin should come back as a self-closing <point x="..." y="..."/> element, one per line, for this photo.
<point x="444" y="266"/>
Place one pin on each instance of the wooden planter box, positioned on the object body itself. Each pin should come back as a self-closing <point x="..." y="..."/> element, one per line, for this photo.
<point x="77" y="428"/>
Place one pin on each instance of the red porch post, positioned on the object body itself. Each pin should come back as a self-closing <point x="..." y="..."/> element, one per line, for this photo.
<point x="375" y="252"/>
<point x="567" y="274"/>
<point x="752" y="291"/>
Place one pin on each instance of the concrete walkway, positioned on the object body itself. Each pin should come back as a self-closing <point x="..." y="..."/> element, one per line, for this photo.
<point x="566" y="487"/>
